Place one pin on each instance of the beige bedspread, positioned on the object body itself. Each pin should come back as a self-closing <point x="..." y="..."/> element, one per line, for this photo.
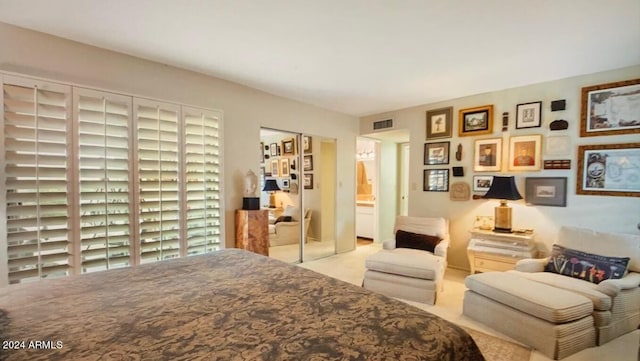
<point x="228" y="305"/>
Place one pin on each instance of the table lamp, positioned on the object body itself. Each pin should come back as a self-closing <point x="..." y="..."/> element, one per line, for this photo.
<point x="503" y="188"/>
<point x="271" y="186"/>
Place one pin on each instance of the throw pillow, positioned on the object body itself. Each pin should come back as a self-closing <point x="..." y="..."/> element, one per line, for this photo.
<point x="586" y="266"/>
<point x="423" y="242"/>
<point x="283" y="219"/>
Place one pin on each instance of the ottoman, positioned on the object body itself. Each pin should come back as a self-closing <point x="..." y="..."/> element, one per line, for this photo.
<point x="405" y="273"/>
<point x="556" y="322"/>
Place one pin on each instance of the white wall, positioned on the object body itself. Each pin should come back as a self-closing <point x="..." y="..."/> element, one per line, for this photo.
<point x="245" y="109"/>
<point x="607" y="213"/>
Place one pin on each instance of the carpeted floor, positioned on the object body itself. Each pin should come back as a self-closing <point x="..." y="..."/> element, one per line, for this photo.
<point x="497" y="349"/>
<point x="349" y="267"/>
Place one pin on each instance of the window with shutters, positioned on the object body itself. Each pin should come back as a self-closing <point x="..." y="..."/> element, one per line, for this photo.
<point x="36" y="142"/>
<point x="158" y="162"/>
<point x="202" y="179"/>
<point x="96" y="180"/>
<point x="104" y="177"/>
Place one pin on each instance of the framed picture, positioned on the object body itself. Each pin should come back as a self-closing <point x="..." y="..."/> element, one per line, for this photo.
<point x="308" y="181"/>
<point x="529" y="115"/>
<point x="609" y="170"/>
<point x="546" y="191"/>
<point x="306" y="144"/>
<point x="288" y="147"/>
<point x="439" y="123"/>
<point x="475" y="121"/>
<point x="525" y="152"/>
<point x="487" y="155"/>
<point x="307" y="163"/>
<point x="273" y="149"/>
<point x="436" y="180"/>
<point x="482" y="183"/>
<point x="436" y="153"/>
<point x="274" y="168"/>
<point x="610" y="109"/>
<point x="261" y="152"/>
<point x="284" y="167"/>
<point x="285" y="183"/>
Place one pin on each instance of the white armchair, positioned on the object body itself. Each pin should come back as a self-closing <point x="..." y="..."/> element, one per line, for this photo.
<point x="283" y="233"/>
<point x="408" y="273"/>
<point x="560" y="314"/>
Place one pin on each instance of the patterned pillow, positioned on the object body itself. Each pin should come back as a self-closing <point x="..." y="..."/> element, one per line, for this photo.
<point x="423" y="242"/>
<point x="585" y="266"/>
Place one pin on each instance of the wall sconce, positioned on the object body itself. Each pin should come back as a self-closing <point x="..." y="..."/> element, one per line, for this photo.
<point x="503" y="188"/>
<point x="271" y="186"/>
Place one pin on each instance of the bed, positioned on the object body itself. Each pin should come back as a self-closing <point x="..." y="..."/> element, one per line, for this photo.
<point x="226" y="305"/>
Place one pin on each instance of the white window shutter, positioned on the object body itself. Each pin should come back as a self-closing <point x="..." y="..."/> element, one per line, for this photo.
<point x="202" y="179"/>
<point x="105" y="175"/>
<point x="37" y="138"/>
<point x="158" y="145"/>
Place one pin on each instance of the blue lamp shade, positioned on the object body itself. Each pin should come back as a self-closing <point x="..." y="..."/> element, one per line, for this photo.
<point x="270" y="185"/>
<point x="503" y="188"/>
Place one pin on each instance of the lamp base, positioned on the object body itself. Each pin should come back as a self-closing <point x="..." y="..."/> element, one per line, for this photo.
<point x="502" y="218"/>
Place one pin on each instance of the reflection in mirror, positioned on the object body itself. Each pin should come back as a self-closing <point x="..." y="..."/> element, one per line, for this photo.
<point x="301" y="214"/>
<point x="319" y="197"/>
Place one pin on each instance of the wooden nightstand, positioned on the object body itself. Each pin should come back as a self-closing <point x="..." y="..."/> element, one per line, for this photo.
<point x="492" y="251"/>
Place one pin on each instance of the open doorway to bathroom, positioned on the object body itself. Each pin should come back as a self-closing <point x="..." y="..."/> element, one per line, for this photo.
<point x="366" y="190"/>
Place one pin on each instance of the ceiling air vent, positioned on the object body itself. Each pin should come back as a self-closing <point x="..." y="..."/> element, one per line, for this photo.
<point x="383" y="124"/>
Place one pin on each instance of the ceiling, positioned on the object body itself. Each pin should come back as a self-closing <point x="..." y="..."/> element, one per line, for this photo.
<point x="358" y="57"/>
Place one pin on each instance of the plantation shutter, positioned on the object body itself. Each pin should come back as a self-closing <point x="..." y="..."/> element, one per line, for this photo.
<point x="202" y="178"/>
<point x="37" y="138"/>
<point x="104" y="175"/>
<point x="158" y="178"/>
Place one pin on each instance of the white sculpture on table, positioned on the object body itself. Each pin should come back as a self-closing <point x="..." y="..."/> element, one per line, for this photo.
<point x="250" y="184"/>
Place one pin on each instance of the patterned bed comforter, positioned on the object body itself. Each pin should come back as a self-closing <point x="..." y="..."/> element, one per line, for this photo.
<point x="228" y="305"/>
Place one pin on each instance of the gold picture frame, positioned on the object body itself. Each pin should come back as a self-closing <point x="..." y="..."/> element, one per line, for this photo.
<point x="610" y="109"/>
<point x="525" y="152"/>
<point x="609" y="170"/>
<point x="475" y="121"/>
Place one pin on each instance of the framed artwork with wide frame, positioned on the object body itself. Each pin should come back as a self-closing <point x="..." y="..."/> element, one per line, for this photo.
<point x="275" y="171"/>
<point x="307" y="163"/>
<point x="475" y="121"/>
<point x="288" y="147"/>
<point x="482" y="183"/>
<point x="435" y="180"/>
<point x="610" y="109"/>
<point x="436" y="153"/>
<point x="546" y="191"/>
<point x="306" y="144"/>
<point x="487" y="155"/>
<point x="284" y="167"/>
<point x="308" y="181"/>
<point x="609" y="170"/>
<point x="525" y="152"/>
<point x="439" y="123"/>
<point x="529" y="115"/>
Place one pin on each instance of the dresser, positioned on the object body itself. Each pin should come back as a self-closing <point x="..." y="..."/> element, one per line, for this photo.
<point x="493" y="251"/>
<point x="252" y="230"/>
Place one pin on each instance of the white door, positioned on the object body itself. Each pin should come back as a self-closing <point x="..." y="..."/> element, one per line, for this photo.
<point x="404" y="179"/>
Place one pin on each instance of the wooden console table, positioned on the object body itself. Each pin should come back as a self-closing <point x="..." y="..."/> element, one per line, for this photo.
<point x="252" y="230"/>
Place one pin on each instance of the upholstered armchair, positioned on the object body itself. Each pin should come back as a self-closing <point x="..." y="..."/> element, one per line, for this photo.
<point x="414" y="273"/>
<point x="585" y="294"/>
<point x="288" y="232"/>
